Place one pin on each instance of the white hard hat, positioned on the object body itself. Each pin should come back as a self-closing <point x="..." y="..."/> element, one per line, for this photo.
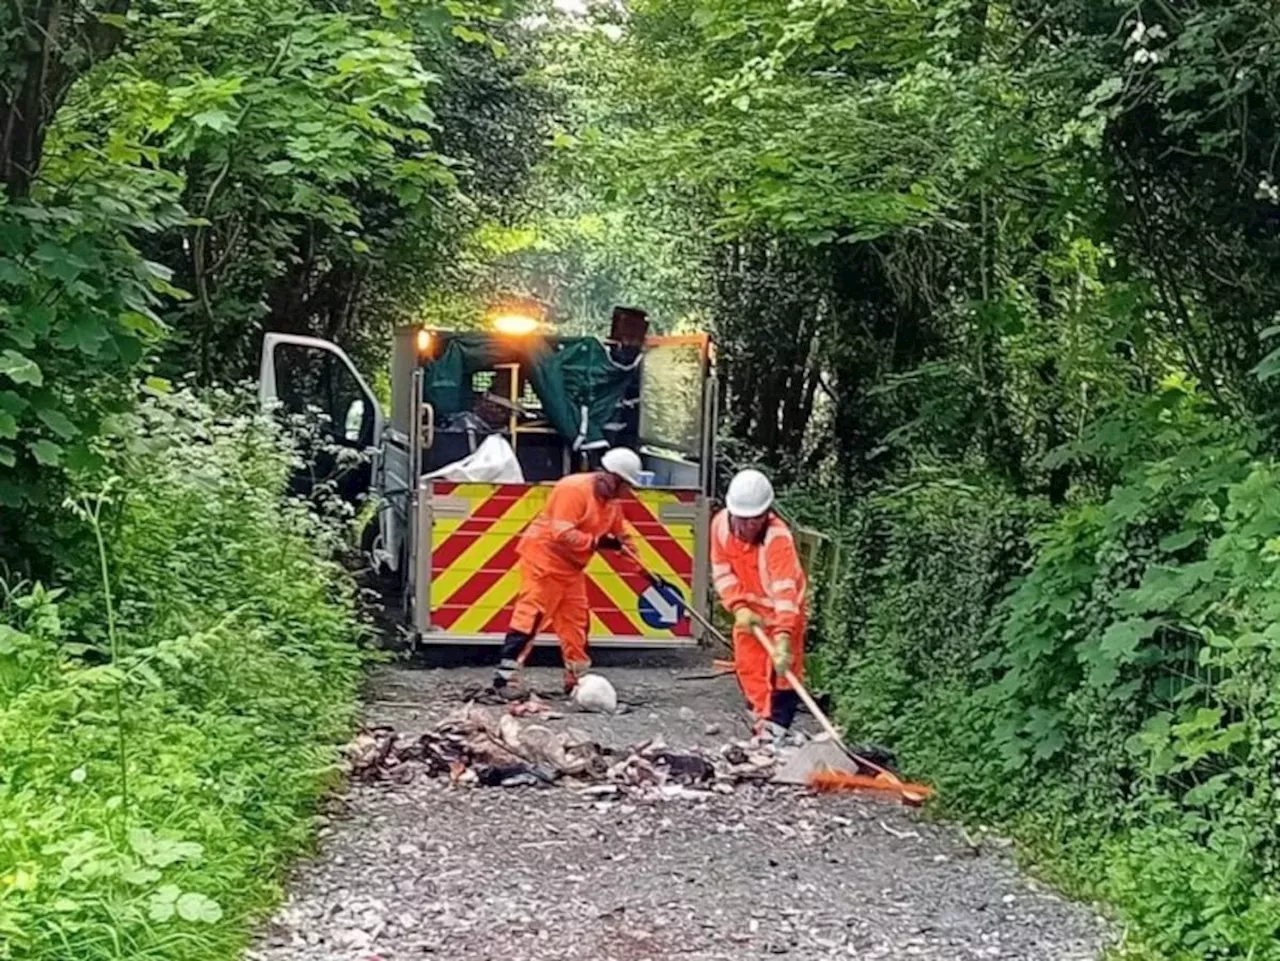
<point x="595" y="693"/>
<point x="750" y="494"/>
<point x="624" y="462"/>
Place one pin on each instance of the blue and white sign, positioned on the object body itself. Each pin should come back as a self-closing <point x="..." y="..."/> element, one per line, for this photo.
<point x="662" y="607"/>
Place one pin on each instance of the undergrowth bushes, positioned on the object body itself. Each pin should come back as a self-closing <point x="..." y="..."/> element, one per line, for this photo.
<point x="1116" y="699"/>
<point x="163" y="743"/>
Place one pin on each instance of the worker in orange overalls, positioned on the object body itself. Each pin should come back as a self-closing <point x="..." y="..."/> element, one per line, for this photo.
<point x="757" y="574"/>
<point x="582" y="515"/>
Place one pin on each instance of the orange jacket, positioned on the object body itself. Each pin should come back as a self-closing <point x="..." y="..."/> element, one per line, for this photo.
<point x="766" y="577"/>
<point x="563" y="537"/>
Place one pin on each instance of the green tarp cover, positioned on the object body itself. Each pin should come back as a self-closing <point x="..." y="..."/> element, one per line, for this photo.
<point x="575" y="379"/>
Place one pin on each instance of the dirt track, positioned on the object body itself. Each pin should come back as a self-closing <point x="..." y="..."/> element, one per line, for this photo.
<point x="425" y="870"/>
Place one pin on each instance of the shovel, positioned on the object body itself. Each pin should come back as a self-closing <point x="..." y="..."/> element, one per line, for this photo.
<point x="878" y="778"/>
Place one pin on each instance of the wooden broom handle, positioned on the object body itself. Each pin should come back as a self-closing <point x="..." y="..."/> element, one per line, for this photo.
<point x="817" y="712"/>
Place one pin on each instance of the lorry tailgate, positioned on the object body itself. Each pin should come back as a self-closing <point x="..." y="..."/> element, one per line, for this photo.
<point x="475" y="530"/>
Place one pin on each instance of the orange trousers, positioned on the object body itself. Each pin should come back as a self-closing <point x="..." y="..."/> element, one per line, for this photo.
<point x="558" y="602"/>
<point x="756" y="675"/>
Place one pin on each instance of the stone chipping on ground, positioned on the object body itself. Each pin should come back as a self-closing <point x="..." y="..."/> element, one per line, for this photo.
<point x="416" y="862"/>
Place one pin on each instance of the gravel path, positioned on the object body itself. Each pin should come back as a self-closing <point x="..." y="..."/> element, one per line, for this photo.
<point x="423" y="870"/>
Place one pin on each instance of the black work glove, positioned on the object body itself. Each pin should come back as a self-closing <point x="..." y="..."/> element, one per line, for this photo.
<point x="608" y="542"/>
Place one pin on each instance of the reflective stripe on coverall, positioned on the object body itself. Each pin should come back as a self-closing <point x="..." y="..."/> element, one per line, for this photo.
<point x="768" y="579"/>
<point x="554" y="552"/>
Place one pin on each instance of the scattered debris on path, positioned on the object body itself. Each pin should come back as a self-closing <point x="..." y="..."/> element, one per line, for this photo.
<point x="427" y="861"/>
<point x="511" y="748"/>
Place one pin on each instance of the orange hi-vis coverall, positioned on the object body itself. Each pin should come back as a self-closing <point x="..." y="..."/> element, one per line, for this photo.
<point x="554" y="552"/>
<point x="767" y="578"/>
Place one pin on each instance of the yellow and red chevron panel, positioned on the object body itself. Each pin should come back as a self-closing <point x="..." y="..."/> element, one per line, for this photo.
<point x="474" y="580"/>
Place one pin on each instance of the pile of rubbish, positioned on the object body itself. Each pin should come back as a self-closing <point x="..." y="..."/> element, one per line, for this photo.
<point x="512" y="749"/>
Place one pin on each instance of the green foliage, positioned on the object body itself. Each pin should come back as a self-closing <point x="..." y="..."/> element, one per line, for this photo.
<point x="77" y="313"/>
<point x="290" y="126"/>
<point x="999" y="281"/>
<point x="1114" y="703"/>
<point x="922" y="569"/>
<point x="181" y="176"/>
<point x="151" y="792"/>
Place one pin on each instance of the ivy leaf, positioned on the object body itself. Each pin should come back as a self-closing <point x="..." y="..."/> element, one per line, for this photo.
<point x="66" y="269"/>
<point x="1180" y="540"/>
<point x="1126" y="504"/>
<point x="20" y="369"/>
<point x="8" y="425"/>
<point x="162" y="852"/>
<point x="139" y="323"/>
<point x="1161" y="589"/>
<point x="59" y="423"/>
<point x="13" y="273"/>
<point x="46" y="452"/>
<point x="7" y="457"/>
<point x="81" y="457"/>
<point x="1268" y="367"/>
<point x="1121" y="640"/>
<point x="140" y="876"/>
<point x="467" y="35"/>
<point x="217" y="120"/>
<point x="1045" y="731"/>
<point x="23" y="337"/>
<point x="1153" y="737"/>
<point x="1201" y="734"/>
<point x="1205" y="793"/>
<point x="39" y="319"/>
<point x="84" y="333"/>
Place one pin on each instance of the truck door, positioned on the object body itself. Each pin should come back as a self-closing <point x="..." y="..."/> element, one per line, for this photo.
<point x="316" y="379"/>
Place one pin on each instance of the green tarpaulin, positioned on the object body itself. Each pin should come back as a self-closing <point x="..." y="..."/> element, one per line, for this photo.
<point x="577" y="382"/>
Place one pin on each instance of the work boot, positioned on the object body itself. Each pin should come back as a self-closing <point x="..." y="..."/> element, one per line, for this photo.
<point x="769" y="732"/>
<point x="506" y="680"/>
<point x="783" y="707"/>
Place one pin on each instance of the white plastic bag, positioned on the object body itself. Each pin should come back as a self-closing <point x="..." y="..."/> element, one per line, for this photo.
<point x="492" y="462"/>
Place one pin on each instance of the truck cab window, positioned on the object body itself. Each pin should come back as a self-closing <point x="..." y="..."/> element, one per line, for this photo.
<point x="314" y="381"/>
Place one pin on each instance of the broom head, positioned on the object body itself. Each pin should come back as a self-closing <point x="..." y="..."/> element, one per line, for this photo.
<point x="827" y="780"/>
